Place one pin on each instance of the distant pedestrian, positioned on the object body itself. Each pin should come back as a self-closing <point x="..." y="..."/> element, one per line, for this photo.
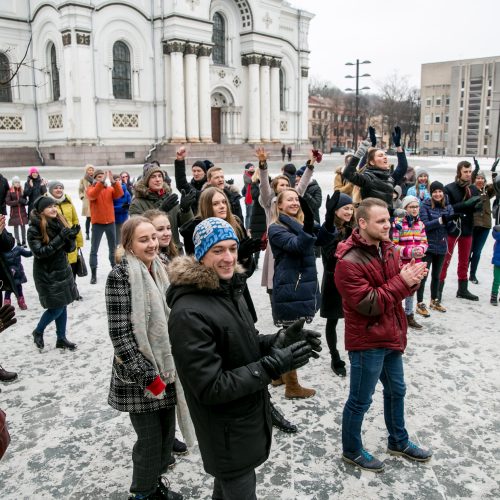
<point x="18" y="216"/>
<point x="125" y="178"/>
<point x="289" y="153"/>
<point x="85" y="182"/>
<point x="34" y="187"/>
<point x="121" y="206"/>
<point x="247" y="192"/>
<point x="283" y="152"/>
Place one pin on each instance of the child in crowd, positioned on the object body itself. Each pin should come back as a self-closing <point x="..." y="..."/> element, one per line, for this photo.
<point x="421" y="188"/>
<point x="12" y="260"/>
<point x="408" y="234"/>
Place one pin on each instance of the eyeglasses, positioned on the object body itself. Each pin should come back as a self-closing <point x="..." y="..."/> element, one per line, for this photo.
<point x="413" y="207"/>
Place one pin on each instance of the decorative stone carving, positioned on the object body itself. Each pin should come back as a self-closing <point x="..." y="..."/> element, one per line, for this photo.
<point x="237" y="81"/>
<point x="11" y="122"/>
<point x="265" y="61"/>
<point x="275" y="63"/>
<point x="304" y="72"/>
<point x="191" y="48"/>
<point x="283" y="126"/>
<point x="66" y="38"/>
<point x="204" y="51"/>
<point x="267" y="20"/>
<point x="173" y="46"/>
<point x="248" y="59"/>
<point x="82" y="38"/>
<point x="194" y="3"/>
<point x="222" y="74"/>
<point x="55" y="121"/>
<point x="125" y="120"/>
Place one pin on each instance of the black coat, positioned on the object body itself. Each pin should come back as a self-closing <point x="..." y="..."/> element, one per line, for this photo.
<point x="258" y="223"/>
<point x="13" y="261"/>
<point x="374" y="182"/>
<point x="314" y="198"/>
<point x="217" y="354"/>
<point x="457" y="197"/>
<point x="4" y="189"/>
<point x="31" y="193"/>
<point x="7" y="243"/>
<point x="51" y="271"/>
<point x="331" y="300"/>
<point x="181" y="182"/>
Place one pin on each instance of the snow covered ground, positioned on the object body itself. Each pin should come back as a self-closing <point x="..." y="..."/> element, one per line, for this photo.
<point x="67" y="443"/>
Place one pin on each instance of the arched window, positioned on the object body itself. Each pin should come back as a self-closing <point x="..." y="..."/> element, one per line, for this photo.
<point x="54" y="74"/>
<point x="5" y="90"/>
<point x="282" y="91"/>
<point x="219" y="39"/>
<point x="121" y="71"/>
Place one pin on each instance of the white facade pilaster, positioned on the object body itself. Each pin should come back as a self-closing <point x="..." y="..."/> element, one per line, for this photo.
<point x="178" y="115"/>
<point x="204" y="108"/>
<point x="191" y="82"/>
<point x="69" y="83"/>
<point x="265" y="100"/>
<point x="275" y="100"/>
<point x="253" y="102"/>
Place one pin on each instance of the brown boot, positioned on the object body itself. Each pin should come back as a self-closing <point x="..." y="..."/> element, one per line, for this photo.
<point x="293" y="389"/>
<point x="412" y="323"/>
<point x="277" y="382"/>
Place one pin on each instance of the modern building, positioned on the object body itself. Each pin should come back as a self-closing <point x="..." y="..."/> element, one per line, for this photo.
<point x="113" y="80"/>
<point x="460" y="107"/>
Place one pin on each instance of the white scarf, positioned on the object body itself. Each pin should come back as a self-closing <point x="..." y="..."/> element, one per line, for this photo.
<point x="149" y="321"/>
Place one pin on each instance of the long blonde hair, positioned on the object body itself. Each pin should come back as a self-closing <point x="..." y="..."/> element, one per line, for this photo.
<point x="277" y="212"/>
<point x="128" y="231"/>
<point x="44" y="222"/>
<point x="171" y="251"/>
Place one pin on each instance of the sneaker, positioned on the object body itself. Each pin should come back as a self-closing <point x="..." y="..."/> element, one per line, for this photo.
<point x="6" y="376"/>
<point x="422" y="310"/>
<point x="363" y="460"/>
<point x="437" y="306"/>
<point x="164" y="492"/>
<point x="64" y="343"/>
<point x="7" y="302"/>
<point x="179" y="447"/>
<point x="412" y="452"/>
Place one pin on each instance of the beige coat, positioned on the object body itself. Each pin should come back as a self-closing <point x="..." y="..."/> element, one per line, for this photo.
<point x="82" y="192"/>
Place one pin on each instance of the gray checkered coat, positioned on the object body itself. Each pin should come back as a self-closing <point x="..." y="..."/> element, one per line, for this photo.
<point x="131" y="372"/>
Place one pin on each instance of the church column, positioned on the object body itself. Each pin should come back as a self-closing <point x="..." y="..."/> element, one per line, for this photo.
<point x="275" y="100"/>
<point x="178" y="117"/>
<point x="204" y="109"/>
<point x="253" y="106"/>
<point x="304" y="117"/>
<point x="265" y="100"/>
<point x="191" y="80"/>
<point x="71" y="124"/>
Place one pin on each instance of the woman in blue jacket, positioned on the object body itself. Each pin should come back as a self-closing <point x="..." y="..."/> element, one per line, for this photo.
<point x="293" y="235"/>
<point x="121" y="206"/>
<point x="436" y="213"/>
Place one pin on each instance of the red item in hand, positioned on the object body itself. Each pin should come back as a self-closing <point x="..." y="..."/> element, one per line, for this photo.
<point x="157" y="386"/>
<point x="318" y="155"/>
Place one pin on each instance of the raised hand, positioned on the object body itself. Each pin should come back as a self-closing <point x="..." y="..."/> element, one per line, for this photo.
<point x="261" y="154"/>
<point x="181" y="153"/>
<point x="396" y="136"/>
<point x="372" y="136"/>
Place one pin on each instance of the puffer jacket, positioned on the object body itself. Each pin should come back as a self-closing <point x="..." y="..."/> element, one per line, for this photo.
<point x="68" y="211"/>
<point x="372" y="291"/>
<point x="121" y="205"/>
<point x="408" y="233"/>
<point x="182" y="183"/>
<point x="7" y="243"/>
<point x="314" y="198"/>
<point x="437" y="234"/>
<point x="457" y="196"/>
<point x="17" y="204"/>
<point x="4" y="189"/>
<point x="258" y="225"/>
<point x="374" y="182"/>
<point x="296" y="291"/>
<point x="496" y="249"/>
<point x="51" y="271"/>
<point x="217" y="353"/>
<point x="13" y="261"/>
<point x="145" y="199"/>
<point x="31" y="193"/>
<point x="101" y="201"/>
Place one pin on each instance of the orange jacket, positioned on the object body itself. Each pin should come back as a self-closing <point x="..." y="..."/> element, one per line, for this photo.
<point x="101" y="202"/>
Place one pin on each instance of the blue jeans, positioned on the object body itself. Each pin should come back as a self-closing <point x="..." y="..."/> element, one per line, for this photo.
<point x="248" y="215"/>
<point x="59" y="315"/>
<point x="367" y="367"/>
<point x="97" y="231"/>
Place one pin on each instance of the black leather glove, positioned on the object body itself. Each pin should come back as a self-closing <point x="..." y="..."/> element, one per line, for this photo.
<point x="66" y="233"/>
<point x="373" y="136"/>
<point x="494" y="166"/>
<point x="296" y="333"/>
<point x="396" y="136"/>
<point x="230" y="181"/>
<point x="308" y="216"/>
<point x="126" y="206"/>
<point x="170" y="202"/>
<point x="474" y="200"/>
<point x="7" y="313"/>
<point x="331" y="204"/>
<point x="75" y="230"/>
<point x="476" y="163"/>
<point x="449" y="218"/>
<point x="248" y="247"/>
<point x="187" y="200"/>
<point x="286" y="359"/>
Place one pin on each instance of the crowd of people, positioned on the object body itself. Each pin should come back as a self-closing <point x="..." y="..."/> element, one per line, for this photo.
<point x="180" y="313"/>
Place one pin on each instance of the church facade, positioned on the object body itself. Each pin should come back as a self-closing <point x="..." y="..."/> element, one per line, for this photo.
<point x="148" y="72"/>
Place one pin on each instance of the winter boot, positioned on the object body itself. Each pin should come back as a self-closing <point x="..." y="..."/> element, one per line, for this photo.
<point x="280" y="421"/>
<point x="422" y="310"/>
<point x="277" y="382"/>
<point x="463" y="292"/>
<point x="38" y="339"/>
<point x="437" y="306"/>
<point x="6" y="376"/>
<point x="7" y="302"/>
<point x="473" y="279"/>
<point x="164" y="491"/>
<point x="93" y="279"/>
<point x="22" y="304"/>
<point x="412" y="323"/>
<point x="494" y="299"/>
<point x="64" y="343"/>
<point x="440" y="291"/>
<point x="293" y="390"/>
<point x="338" y="367"/>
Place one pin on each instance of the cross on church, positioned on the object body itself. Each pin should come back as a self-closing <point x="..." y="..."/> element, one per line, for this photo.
<point x="267" y="20"/>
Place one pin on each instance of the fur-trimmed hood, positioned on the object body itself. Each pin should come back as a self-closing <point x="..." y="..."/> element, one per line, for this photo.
<point x="186" y="275"/>
<point x="142" y="191"/>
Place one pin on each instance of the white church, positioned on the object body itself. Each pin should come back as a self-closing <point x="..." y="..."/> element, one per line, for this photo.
<point x="101" y="79"/>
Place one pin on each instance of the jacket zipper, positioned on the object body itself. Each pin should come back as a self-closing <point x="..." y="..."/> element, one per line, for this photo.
<point x="298" y="281"/>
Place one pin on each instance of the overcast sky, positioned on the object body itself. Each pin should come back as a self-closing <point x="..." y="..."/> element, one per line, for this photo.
<point x="397" y="36"/>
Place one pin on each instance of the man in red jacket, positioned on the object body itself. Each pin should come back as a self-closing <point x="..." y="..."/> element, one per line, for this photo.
<point x="102" y="215"/>
<point x="372" y="285"/>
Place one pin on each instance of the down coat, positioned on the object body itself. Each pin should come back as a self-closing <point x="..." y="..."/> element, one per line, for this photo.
<point x="217" y="354"/>
<point x="457" y="196"/>
<point x="437" y="234"/>
<point x="14" y="263"/>
<point x="68" y="211"/>
<point x="17" y="204"/>
<point x="296" y="291"/>
<point x="372" y="290"/>
<point x="51" y="271"/>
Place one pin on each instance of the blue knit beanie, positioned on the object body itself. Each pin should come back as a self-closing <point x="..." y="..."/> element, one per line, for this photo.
<point x="209" y="232"/>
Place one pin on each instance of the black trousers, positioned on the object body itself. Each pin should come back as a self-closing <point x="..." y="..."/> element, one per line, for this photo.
<point x="434" y="263"/>
<point x="331" y="339"/>
<point x="239" y="488"/>
<point x="153" y="448"/>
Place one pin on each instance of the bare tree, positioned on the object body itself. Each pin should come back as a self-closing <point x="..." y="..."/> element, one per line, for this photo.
<point x="16" y="66"/>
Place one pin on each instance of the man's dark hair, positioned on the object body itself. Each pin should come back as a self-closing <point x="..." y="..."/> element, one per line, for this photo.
<point x="366" y="205"/>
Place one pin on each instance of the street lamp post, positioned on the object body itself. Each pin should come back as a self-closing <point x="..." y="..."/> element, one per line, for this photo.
<point x="357" y="76"/>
